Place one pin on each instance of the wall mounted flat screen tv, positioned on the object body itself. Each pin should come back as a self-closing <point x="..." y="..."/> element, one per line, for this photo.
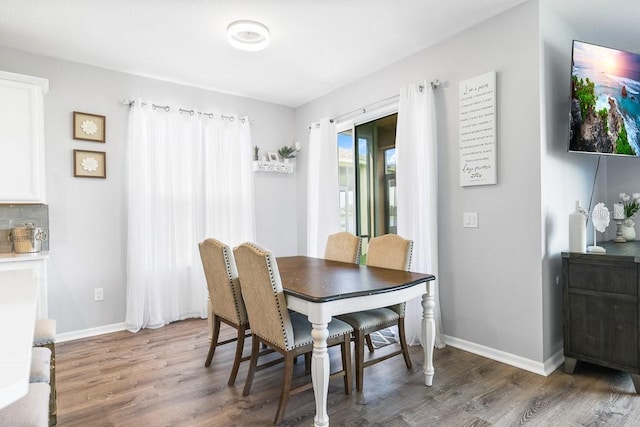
<point x="605" y="100"/>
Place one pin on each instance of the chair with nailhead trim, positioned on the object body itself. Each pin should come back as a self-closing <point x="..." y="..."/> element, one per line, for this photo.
<point x="387" y="251"/>
<point x="226" y="301"/>
<point x="288" y="333"/>
<point x="343" y="247"/>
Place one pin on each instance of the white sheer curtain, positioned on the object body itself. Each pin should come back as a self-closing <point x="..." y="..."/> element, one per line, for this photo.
<point x="188" y="177"/>
<point x="417" y="193"/>
<point x="323" y="208"/>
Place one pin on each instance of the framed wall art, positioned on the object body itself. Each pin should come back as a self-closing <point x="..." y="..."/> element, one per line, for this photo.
<point x="89" y="127"/>
<point x="89" y="164"/>
<point x="272" y="157"/>
<point x="477" y="126"/>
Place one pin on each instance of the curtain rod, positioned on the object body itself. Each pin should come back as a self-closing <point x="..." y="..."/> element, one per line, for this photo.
<point x="434" y="85"/>
<point x="182" y="110"/>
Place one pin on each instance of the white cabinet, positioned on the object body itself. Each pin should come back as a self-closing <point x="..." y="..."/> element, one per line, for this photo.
<point x="17" y="268"/>
<point x="22" y="176"/>
<point x="18" y="299"/>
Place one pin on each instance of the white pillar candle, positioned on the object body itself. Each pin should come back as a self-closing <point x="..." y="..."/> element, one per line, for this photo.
<point x="618" y="211"/>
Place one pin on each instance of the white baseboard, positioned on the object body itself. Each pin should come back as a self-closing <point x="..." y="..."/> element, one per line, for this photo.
<point x="91" y="332"/>
<point x="539" y="368"/>
<point x="554" y="362"/>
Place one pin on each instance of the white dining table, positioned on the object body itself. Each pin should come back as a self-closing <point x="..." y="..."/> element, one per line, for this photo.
<point x="321" y="289"/>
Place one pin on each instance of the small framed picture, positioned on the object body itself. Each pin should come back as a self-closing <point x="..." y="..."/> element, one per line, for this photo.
<point x="273" y="157"/>
<point x="89" y="127"/>
<point x="89" y="164"/>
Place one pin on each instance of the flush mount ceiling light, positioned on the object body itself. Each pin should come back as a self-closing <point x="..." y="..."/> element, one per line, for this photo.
<point x="248" y="35"/>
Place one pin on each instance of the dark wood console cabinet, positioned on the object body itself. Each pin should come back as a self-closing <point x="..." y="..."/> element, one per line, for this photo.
<point x="600" y="308"/>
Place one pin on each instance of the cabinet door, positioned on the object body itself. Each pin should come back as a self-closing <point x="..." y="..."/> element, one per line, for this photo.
<point x="604" y="329"/>
<point x="21" y="140"/>
<point x="601" y="311"/>
<point x="34" y="271"/>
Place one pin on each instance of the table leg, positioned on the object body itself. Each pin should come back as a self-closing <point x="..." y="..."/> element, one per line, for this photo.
<point x="428" y="333"/>
<point x="320" y="372"/>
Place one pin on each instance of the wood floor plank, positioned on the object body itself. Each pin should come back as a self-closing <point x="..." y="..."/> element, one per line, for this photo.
<point x="157" y="378"/>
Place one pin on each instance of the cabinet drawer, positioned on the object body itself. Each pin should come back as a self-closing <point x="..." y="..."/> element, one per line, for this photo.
<point x="619" y="278"/>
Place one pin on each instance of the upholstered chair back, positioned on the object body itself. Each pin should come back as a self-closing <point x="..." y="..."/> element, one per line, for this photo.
<point x="222" y="281"/>
<point x="390" y="251"/>
<point x="393" y="252"/>
<point x="263" y="295"/>
<point x="343" y="247"/>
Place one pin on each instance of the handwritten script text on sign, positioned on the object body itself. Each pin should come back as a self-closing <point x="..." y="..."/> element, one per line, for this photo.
<point x="478" y="130"/>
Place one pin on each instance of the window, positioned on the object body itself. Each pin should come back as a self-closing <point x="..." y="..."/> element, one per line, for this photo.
<point x="346" y="180"/>
<point x="367" y="176"/>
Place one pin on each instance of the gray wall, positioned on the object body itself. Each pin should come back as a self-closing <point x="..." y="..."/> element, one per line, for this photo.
<point x="621" y="174"/>
<point x="497" y="282"/>
<point x="88" y="216"/>
<point x="490" y="277"/>
<point x="570" y="176"/>
<point x="500" y="285"/>
<point x="567" y="177"/>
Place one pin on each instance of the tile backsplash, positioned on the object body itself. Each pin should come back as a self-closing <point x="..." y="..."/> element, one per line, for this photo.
<point x="18" y="215"/>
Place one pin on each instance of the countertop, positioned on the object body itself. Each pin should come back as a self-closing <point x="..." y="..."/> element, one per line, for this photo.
<point x="12" y="257"/>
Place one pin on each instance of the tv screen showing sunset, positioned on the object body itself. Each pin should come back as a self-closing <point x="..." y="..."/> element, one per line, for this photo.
<point x="605" y="100"/>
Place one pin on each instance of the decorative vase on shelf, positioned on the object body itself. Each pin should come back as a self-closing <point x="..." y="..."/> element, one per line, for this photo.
<point x="578" y="229"/>
<point x="628" y="230"/>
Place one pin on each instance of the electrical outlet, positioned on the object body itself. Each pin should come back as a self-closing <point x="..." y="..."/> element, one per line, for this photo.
<point x="98" y="294"/>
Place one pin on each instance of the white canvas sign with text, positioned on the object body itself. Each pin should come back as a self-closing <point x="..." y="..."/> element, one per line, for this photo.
<point x="478" y="130"/>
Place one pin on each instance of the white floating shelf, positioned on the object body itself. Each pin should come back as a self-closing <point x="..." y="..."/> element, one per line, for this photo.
<point x="273" y="167"/>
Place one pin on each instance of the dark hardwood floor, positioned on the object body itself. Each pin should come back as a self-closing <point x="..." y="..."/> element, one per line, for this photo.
<point x="157" y="378"/>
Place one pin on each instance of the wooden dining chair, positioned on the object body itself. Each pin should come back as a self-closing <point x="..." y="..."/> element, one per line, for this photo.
<point x="344" y="247"/>
<point x="288" y="333"/>
<point x="387" y="251"/>
<point x="227" y="305"/>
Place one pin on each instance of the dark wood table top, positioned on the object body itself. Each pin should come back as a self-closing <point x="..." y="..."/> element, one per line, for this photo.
<point x="321" y="280"/>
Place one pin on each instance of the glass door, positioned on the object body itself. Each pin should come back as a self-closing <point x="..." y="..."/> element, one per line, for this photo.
<point x="366" y="157"/>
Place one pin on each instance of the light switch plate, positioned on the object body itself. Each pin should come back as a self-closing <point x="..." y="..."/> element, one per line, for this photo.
<point x="470" y="219"/>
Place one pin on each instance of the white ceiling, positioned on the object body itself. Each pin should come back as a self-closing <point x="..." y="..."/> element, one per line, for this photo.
<point x="316" y="45"/>
<point x="611" y="23"/>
